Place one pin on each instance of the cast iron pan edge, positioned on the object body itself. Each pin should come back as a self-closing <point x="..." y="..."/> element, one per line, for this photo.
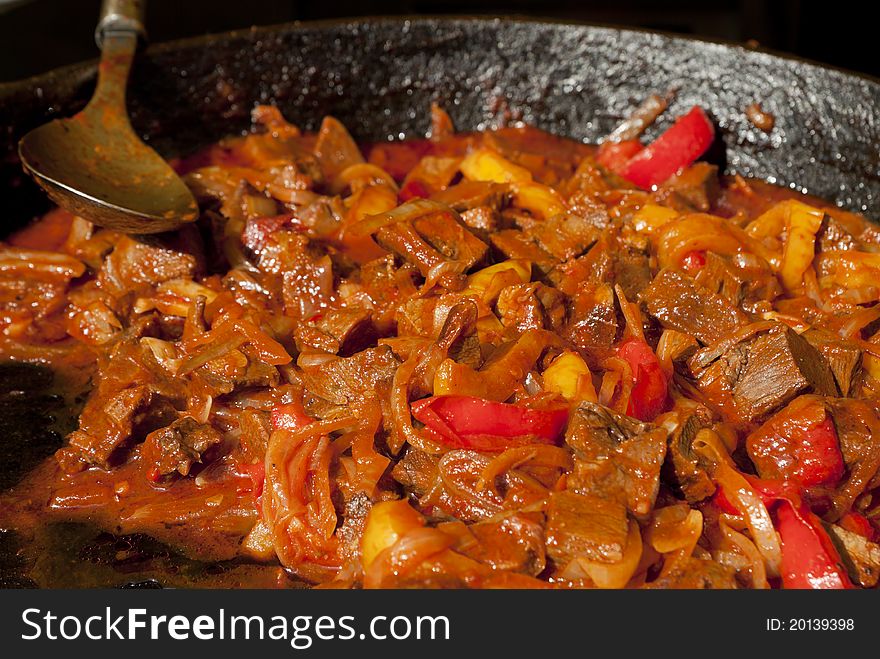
<point x="379" y="76"/>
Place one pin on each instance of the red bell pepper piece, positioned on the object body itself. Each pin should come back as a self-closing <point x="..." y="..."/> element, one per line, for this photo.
<point x="615" y="155"/>
<point x="679" y="146"/>
<point x="413" y="188"/>
<point x="858" y="523"/>
<point x="693" y="260"/>
<point x="808" y="454"/>
<point x="723" y="503"/>
<point x="809" y="558"/>
<point x="257" y="473"/>
<point x="290" y="416"/>
<point x="467" y="422"/>
<point x="649" y="392"/>
<point x="819" y="457"/>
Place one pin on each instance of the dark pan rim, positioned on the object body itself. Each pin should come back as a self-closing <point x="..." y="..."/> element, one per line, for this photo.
<point x="464" y="19"/>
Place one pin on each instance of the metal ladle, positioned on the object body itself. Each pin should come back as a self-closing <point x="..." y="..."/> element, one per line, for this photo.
<point x="93" y="164"/>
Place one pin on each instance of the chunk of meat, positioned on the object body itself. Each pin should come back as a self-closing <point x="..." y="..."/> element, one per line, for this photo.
<point x="134" y="265"/>
<point x="404" y="240"/>
<point x="698" y="185"/>
<point x="335" y="149"/>
<point x="757" y="376"/>
<point x="833" y="236"/>
<point x="473" y="194"/>
<point x="307" y="287"/>
<point x="416" y="470"/>
<point x="178" y="447"/>
<point x="594" y="267"/>
<point x="520" y="307"/>
<point x="514" y="543"/>
<point x="861" y="557"/>
<point x="697" y="574"/>
<point x="451" y="238"/>
<point x="585" y="526"/>
<point x="632" y="270"/>
<point x="615" y="457"/>
<point x="133" y="397"/>
<point x="514" y="244"/>
<point x="237" y="370"/>
<point x="680" y="304"/>
<point x="683" y="467"/>
<point x="856" y="423"/>
<point x="593" y="325"/>
<point x="568" y="235"/>
<point x="348" y="379"/>
<point x="482" y="220"/>
<point x="339" y="331"/>
<point x="844" y="357"/>
<point x="717" y="277"/>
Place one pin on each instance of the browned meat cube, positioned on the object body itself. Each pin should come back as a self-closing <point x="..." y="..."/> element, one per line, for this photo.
<point x="684" y="470"/>
<point x="451" y="238"/>
<point x="697" y="574"/>
<point x="844" y="357"/>
<point x="585" y="526"/>
<point x="403" y="239"/>
<point x="348" y="379"/>
<point x="832" y="236"/>
<point x="593" y="323"/>
<point x="482" y="219"/>
<point x="718" y="277"/>
<point x="135" y="265"/>
<point x="530" y="306"/>
<point x="698" y="185"/>
<point x="680" y="304"/>
<point x="339" y="331"/>
<point x="515" y="244"/>
<point x="632" y="270"/>
<point x="860" y="556"/>
<point x="472" y="194"/>
<point x="567" y="236"/>
<point x="758" y="376"/>
<point x="335" y="149"/>
<point x="179" y="446"/>
<point x="416" y="470"/>
<point x="514" y="543"/>
<point x="615" y="457"/>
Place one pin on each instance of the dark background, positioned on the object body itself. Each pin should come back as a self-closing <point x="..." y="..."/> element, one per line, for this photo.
<point x="38" y="35"/>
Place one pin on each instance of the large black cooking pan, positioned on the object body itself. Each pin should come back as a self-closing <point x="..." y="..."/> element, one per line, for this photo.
<point x="379" y="77"/>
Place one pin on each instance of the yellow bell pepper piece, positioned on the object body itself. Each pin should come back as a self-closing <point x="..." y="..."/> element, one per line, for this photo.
<point x="489" y="329"/>
<point x="652" y="216"/>
<point x="386" y="522"/>
<point x="803" y="223"/>
<point x="479" y="282"/>
<point x="371" y="200"/>
<point x="570" y="376"/>
<point x="539" y="199"/>
<point x="871" y="365"/>
<point x="488" y="165"/>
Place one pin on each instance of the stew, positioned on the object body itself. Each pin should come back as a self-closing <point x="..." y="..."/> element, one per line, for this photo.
<point x="493" y="359"/>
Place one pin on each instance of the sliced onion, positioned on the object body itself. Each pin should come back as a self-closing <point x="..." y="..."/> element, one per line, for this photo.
<point x="616" y="575"/>
<point x="408" y="211"/>
<point x="749" y="551"/>
<point x="407" y="554"/>
<point x="741" y="494"/>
